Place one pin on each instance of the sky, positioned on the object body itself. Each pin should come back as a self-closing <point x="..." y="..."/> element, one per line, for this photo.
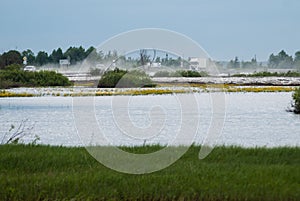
<point x="224" y="28"/>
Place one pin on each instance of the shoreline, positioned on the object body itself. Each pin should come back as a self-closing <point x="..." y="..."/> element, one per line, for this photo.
<point x="263" y="81"/>
<point x="255" y="81"/>
<point x="164" y="89"/>
<point x="164" y="86"/>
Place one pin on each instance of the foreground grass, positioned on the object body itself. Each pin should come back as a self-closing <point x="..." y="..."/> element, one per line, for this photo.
<point x="59" y="173"/>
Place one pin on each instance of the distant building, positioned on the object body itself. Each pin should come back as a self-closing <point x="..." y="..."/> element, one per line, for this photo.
<point x="154" y="64"/>
<point x="199" y="64"/>
<point x="64" y="62"/>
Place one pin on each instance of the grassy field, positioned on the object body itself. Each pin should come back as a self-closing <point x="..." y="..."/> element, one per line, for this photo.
<point x="228" y="173"/>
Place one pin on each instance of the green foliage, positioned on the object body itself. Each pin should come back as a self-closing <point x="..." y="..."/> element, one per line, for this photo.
<point x="30" y="172"/>
<point x="10" y="57"/>
<point x="125" y="79"/>
<point x="270" y="74"/>
<point x="111" y="78"/>
<point x="181" y="73"/>
<point x="296" y="97"/>
<point x="282" y="60"/>
<point x="29" y="55"/>
<point x="297" y="60"/>
<point x="190" y="73"/>
<point x="75" y="54"/>
<point x="13" y="67"/>
<point x="42" y="58"/>
<point x="14" y="77"/>
<point x="56" y="55"/>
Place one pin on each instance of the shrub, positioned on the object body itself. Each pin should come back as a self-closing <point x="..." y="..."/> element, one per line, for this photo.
<point x="296" y="97"/>
<point x="13" y="77"/>
<point x="181" y="73"/>
<point x="270" y="74"/>
<point x="189" y="74"/>
<point x="13" y="67"/>
<point x="125" y="79"/>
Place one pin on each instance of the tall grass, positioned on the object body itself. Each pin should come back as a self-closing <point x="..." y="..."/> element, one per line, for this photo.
<point x="296" y="98"/>
<point x="228" y="173"/>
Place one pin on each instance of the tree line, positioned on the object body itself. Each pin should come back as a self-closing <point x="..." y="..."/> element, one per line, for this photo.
<point x="73" y="54"/>
<point x="78" y="54"/>
<point x="281" y="60"/>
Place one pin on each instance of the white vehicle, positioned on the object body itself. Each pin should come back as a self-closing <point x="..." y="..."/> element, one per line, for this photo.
<point x="101" y="66"/>
<point x="30" y="68"/>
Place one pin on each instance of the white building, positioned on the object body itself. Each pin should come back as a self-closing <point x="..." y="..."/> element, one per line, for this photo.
<point x="154" y="64"/>
<point x="199" y="64"/>
<point x="64" y="62"/>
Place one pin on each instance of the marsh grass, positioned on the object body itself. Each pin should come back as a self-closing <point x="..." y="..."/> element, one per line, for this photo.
<point x="163" y="89"/>
<point x="5" y="94"/>
<point x="228" y="173"/>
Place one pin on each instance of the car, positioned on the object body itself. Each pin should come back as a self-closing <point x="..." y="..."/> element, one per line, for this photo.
<point x="30" y="68"/>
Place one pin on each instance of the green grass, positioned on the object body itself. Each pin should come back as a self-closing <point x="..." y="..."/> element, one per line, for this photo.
<point x="228" y="173"/>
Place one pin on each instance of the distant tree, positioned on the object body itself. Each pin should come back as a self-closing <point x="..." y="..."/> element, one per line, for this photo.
<point x="286" y="61"/>
<point x="230" y="64"/>
<point x="56" y="55"/>
<point x="282" y="60"/>
<point x="297" y="60"/>
<point x="89" y="51"/>
<point x="254" y="61"/>
<point x="157" y="60"/>
<point x="42" y="58"/>
<point x="237" y="63"/>
<point x="93" y="56"/>
<point x="75" y="54"/>
<point x="1" y="62"/>
<point x="10" y="57"/>
<point x="29" y="55"/>
<point x="144" y="58"/>
<point x="234" y="63"/>
<point x="249" y="64"/>
<point x="273" y="61"/>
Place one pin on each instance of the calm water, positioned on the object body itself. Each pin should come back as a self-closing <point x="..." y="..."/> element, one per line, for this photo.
<point x="252" y="119"/>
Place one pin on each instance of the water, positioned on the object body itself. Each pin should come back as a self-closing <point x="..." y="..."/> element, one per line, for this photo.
<point x="252" y="119"/>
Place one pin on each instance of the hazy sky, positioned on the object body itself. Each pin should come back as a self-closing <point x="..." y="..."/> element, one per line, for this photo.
<point x="224" y="28"/>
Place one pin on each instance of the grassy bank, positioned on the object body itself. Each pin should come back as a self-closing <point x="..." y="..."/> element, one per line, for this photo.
<point x="56" y="173"/>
